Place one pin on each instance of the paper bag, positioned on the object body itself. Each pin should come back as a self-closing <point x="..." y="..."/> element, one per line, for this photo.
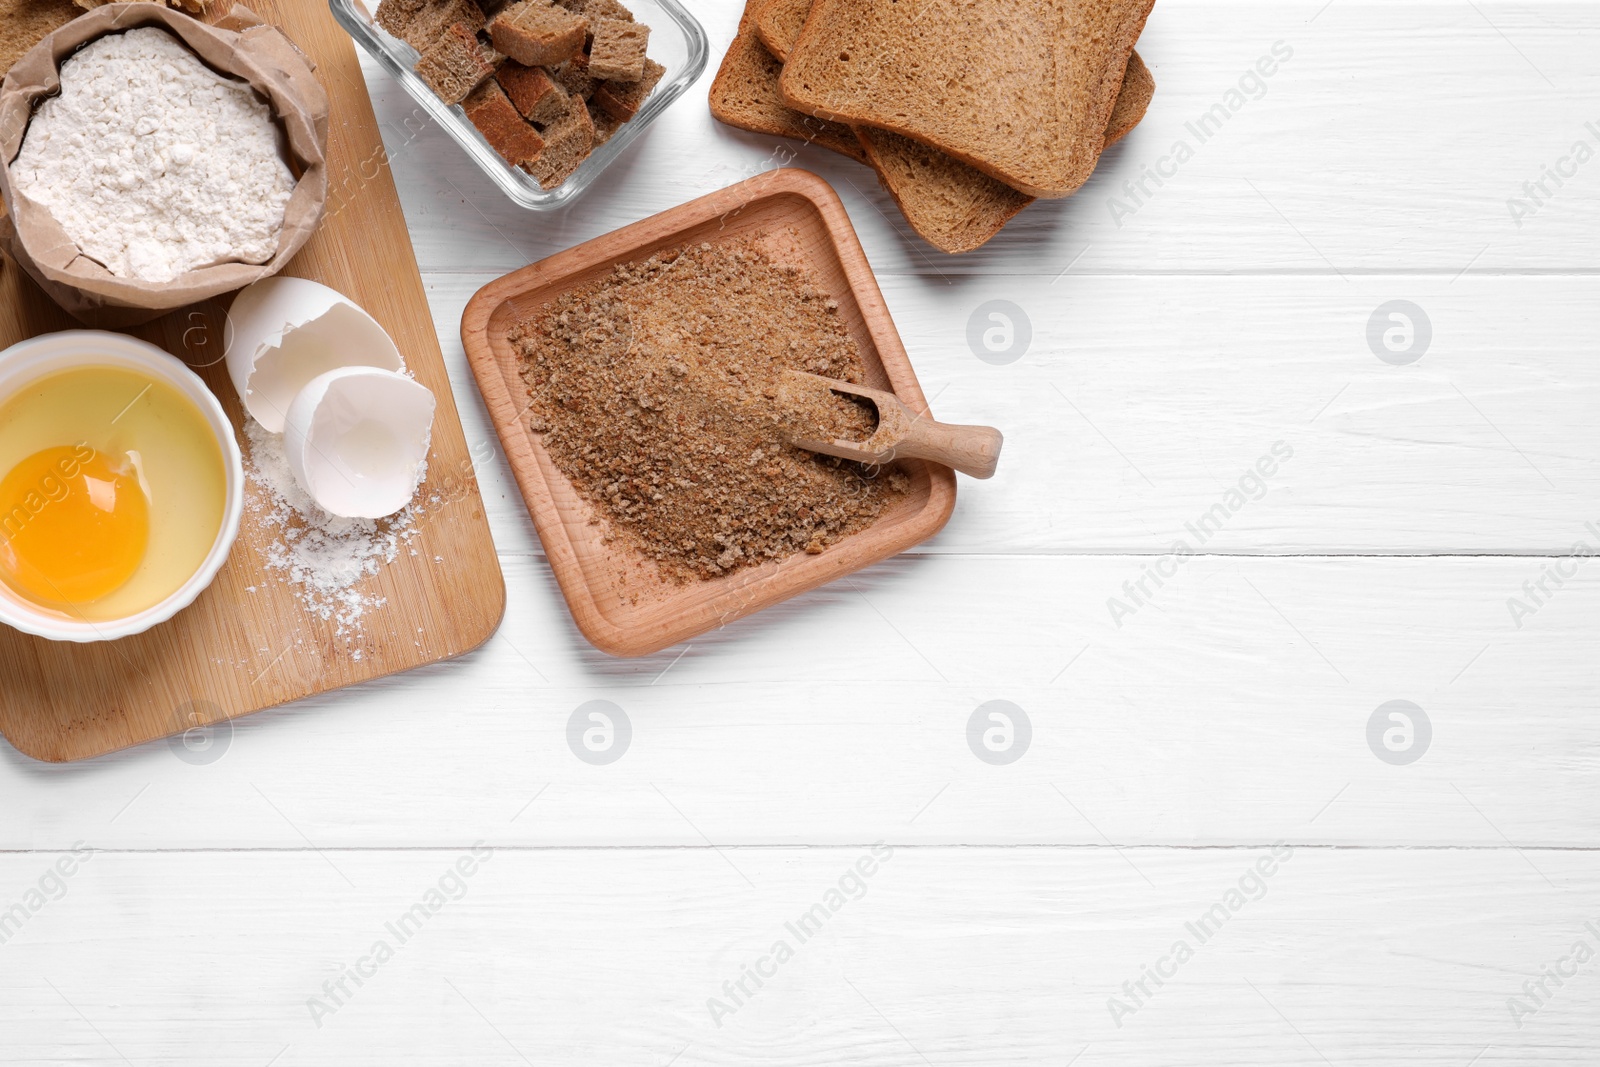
<point x="241" y="46"/>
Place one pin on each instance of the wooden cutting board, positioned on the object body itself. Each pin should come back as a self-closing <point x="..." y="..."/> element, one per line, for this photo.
<point x="249" y="642"/>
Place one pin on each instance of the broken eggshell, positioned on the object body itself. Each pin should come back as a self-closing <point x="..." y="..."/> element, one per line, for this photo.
<point x="283" y="332"/>
<point x="357" y="440"/>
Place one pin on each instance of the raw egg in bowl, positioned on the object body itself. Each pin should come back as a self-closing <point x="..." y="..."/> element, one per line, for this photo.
<point x="121" y="486"/>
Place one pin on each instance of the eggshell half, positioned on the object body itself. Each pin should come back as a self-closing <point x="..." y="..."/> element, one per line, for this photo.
<point x="357" y="440"/>
<point x="283" y="332"/>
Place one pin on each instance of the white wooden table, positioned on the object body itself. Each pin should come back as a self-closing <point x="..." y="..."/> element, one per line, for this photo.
<point x="227" y="900"/>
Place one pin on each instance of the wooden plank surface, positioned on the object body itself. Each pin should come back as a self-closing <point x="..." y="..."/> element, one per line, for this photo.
<point x="1203" y="729"/>
<point x="1208" y="718"/>
<point x="961" y="957"/>
<point x="248" y="643"/>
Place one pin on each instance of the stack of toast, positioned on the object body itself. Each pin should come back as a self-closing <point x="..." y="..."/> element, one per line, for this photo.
<point x="544" y="81"/>
<point x="967" y="110"/>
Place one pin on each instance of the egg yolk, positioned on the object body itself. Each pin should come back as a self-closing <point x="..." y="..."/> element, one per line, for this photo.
<point x="74" y="525"/>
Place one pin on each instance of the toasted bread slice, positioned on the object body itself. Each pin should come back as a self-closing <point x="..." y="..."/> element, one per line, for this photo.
<point x="745" y="95"/>
<point x="954" y="207"/>
<point x="1023" y="90"/>
<point x="1138" y="88"/>
<point x="779" y="22"/>
<point x="957" y="208"/>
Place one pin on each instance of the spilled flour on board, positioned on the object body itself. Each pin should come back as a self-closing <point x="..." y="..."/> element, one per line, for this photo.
<point x="325" y="558"/>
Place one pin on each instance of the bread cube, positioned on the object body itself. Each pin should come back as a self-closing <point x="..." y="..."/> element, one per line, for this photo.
<point x="567" y="143"/>
<point x="593" y="10"/>
<point x="457" y="64"/>
<point x="395" y="17"/>
<point x="537" y="33"/>
<point x="421" y="23"/>
<point x="492" y="112"/>
<point x="622" y="100"/>
<point x="574" y="76"/>
<point x="604" y="125"/>
<point x="618" y="52"/>
<point x="536" y="95"/>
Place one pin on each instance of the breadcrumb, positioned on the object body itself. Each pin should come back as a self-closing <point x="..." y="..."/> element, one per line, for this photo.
<point x="655" y="392"/>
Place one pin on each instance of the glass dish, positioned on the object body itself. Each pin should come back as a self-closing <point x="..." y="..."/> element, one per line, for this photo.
<point x="677" y="42"/>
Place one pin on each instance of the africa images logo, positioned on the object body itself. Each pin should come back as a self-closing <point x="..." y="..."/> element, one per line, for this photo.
<point x="849" y="886"/>
<point x="1250" y="887"/>
<point x="1538" y="192"/>
<point x="1252" y="485"/>
<point x="1251" y="85"/>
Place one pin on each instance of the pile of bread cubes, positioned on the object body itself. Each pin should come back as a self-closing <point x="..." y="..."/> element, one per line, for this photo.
<point x="544" y="81"/>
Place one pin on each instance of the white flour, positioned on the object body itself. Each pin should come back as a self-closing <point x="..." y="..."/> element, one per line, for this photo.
<point x="324" y="557"/>
<point x="153" y="163"/>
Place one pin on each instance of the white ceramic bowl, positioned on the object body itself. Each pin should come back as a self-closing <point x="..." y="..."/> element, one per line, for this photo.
<point x="28" y="361"/>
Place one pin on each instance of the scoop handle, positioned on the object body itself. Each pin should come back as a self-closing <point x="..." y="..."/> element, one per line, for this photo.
<point x="972" y="450"/>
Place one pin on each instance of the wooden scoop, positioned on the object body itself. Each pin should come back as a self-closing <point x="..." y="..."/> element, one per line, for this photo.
<point x="901" y="433"/>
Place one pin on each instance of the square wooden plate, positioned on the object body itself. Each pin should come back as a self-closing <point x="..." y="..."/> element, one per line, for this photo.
<point x="618" y="599"/>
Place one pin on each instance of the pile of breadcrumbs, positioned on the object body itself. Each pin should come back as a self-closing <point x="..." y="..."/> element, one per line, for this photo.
<point x="654" y="390"/>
